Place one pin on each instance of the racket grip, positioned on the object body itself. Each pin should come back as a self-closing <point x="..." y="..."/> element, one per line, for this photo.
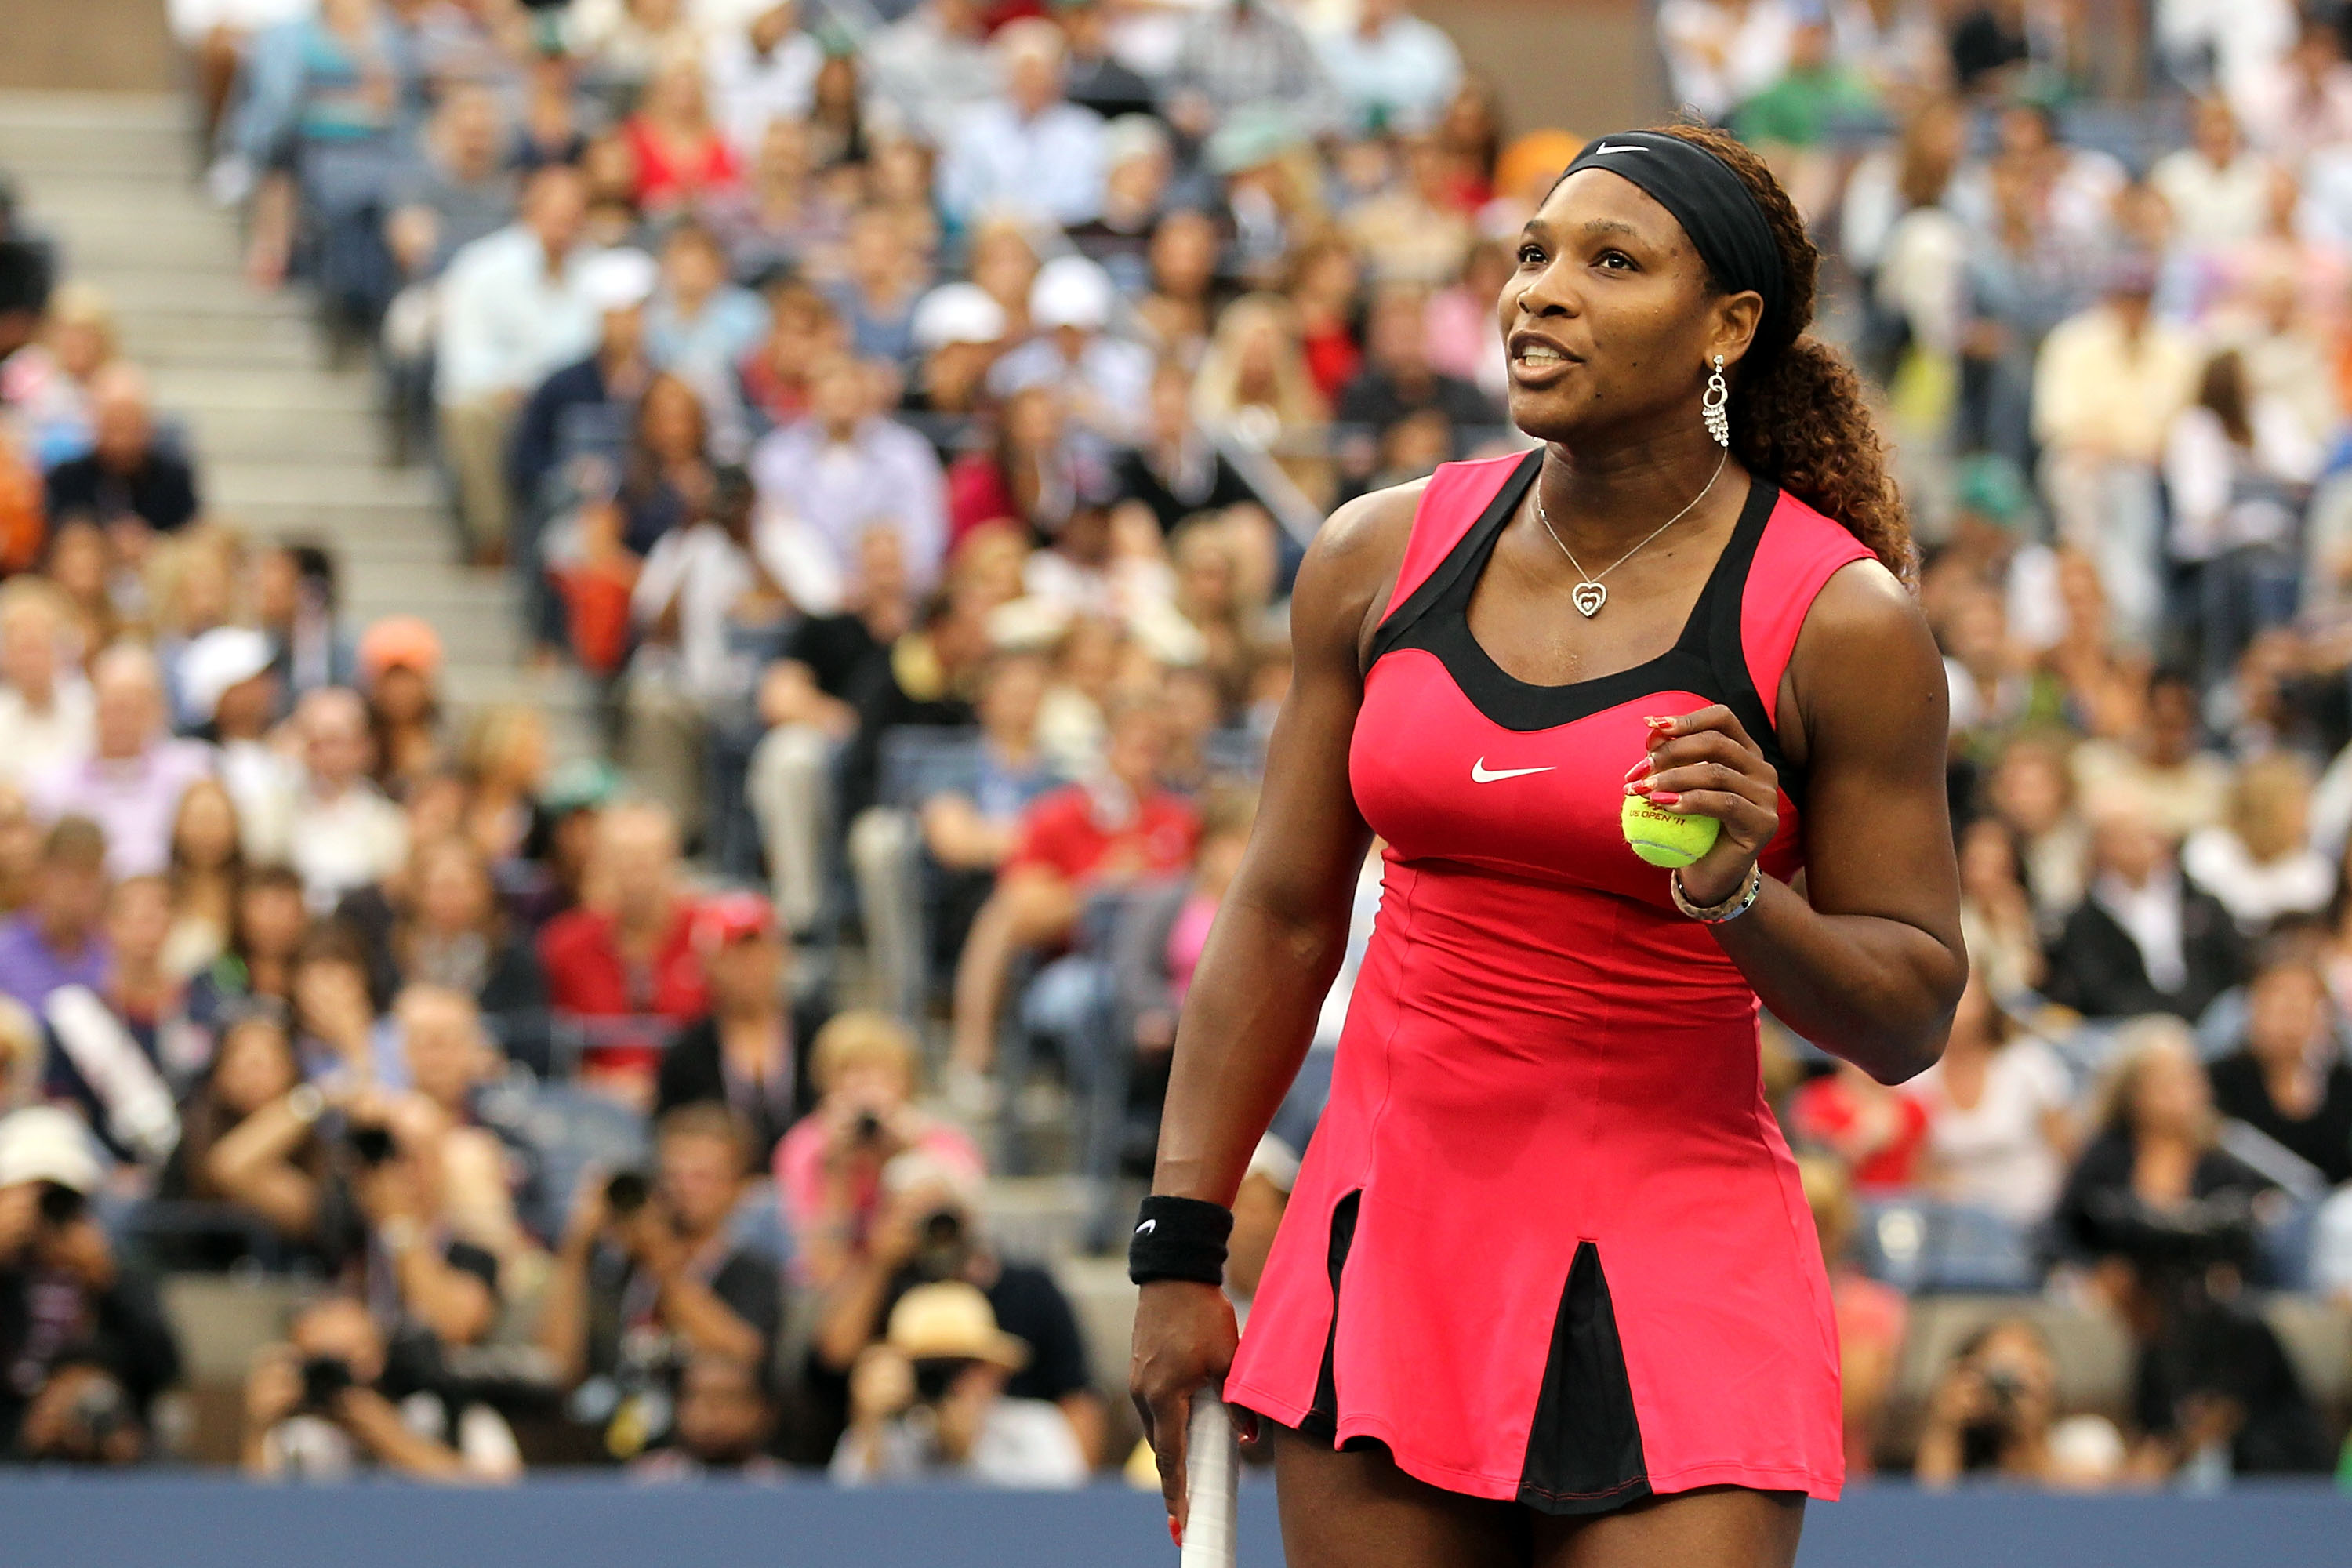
<point x="1212" y="1481"/>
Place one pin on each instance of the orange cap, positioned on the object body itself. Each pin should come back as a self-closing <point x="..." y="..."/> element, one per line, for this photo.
<point x="399" y="640"/>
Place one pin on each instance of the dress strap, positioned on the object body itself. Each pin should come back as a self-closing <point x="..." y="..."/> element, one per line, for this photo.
<point x="1457" y="497"/>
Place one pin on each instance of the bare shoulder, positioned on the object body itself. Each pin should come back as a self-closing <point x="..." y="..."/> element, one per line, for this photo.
<point x="1351" y="563"/>
<point x="1865" y="661"/>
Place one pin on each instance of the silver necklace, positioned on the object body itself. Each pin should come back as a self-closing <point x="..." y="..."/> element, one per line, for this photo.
<point x="1588" y="595"/>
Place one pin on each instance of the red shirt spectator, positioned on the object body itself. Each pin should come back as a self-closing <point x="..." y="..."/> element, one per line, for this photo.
<point x="1065" y="833"/>
<point x="1874" y="1130"/>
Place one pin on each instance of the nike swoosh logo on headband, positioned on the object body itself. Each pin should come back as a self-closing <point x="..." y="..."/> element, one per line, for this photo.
<point x="1605" y="147"/>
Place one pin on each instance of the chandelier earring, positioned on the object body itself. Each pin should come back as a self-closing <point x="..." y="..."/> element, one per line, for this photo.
<point x="1715" y="405"/>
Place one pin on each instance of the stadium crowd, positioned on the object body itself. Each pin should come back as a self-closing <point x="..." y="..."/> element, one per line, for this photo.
<point x="910" y="416"/>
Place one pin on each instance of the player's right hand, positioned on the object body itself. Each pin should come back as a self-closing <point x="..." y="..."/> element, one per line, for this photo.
<point x="1185" y="1335"/>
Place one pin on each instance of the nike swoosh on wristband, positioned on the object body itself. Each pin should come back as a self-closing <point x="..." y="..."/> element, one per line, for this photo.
<point x="1481" y="773"/>
<point x="1147" y="1227"/>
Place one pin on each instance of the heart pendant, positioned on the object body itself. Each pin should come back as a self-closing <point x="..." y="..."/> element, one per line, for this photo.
<point x="1587" y="598"/>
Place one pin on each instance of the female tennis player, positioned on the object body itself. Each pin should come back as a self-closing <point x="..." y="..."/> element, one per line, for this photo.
<point x="1546" y="1291"/>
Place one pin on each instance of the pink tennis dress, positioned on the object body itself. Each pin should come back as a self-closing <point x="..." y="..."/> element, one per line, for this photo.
<point x="1548" y="1244"/>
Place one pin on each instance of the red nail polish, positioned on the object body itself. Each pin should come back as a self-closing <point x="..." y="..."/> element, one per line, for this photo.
<point x="1659" y="723"/>
<point x="1175" y="1532"/>
<point x="1637" y="770"/>
<point x="1664" y="799"/>
<point x="1639" y="786"/>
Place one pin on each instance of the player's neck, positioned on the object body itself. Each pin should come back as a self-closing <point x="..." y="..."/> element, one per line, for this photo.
<point x="1609" y="492"/>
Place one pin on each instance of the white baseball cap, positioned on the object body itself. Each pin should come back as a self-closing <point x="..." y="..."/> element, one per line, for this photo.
<point x="956" y="313"/>
<point x="618" y="279"/>
<point x="1071" y="291"/>
<point x="43" y="1144"/>
<point x="218" y="659"/>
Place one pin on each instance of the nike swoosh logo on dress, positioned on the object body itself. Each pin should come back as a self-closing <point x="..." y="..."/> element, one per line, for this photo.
<point x="1481" y="773"/>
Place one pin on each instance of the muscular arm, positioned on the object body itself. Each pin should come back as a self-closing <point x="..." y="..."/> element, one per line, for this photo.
<point x="1867" y="960"/>
<point x="1282" y="931"/>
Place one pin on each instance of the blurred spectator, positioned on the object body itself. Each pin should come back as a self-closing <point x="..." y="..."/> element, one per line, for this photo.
<point x="699" y="324"/>
<point x="746" y="1052"/>
<point x="1872" y="1317"/>
<point x="400" y="670"/>
<point x="294" y="605"/>
<point x="206" y="879"/>
<point x="331" y="1401"/>
<point x="843" y="471"/>
<point x="864" y="1068"/>
<point x="957" y="331"/>
<point x="249" y="1136"/>
<point x="83" y="1335"/>
<point x="455" y="935"/>
<point x="54" y="937"/>
<point x="934" y="63"/>
<point x="930" y="1400"/>
<point x="2160" y="766"/>
<point x="1815" y="94"/>
<point x="2145" y="939"/>
<point x="926" y="1235"/>
<point x="877" y="298"/>
<point x="1720" y="52"/>
<point x="1031" y="151"/>
<point x="46" y="710"/>
<point x="132" y="473"/>
<point x="460" y="188"/>
<point x="1094" y="74"/>
<point x="270" y="920"/>
<point x="1392" y="70"/>
<point x="344" y="834"/>
<point x="1030" y="476"/>
<point x="1996" y="913"/>
<point x="1879" y="1133"/>
<point x="627" y="954"/>
<point x="1174" y="470"/>
<point x="515" y="306"/>
<point x="1237" y="56"/>
<point x="1117" y="827"/>
<point x="583" y="406"/>
<point x="1992" y="1409"/>
<point x="1398" y="383"/>
<point x="2260" y="863"/>
<point x="647" y="1278"/>
<point x="2218" y="190"/>
<point x="2288" y="1080"/>
<point x="1414" y="231"/>
<point x="49" y="386"/>
<point x="120" y="1054"/>
<point x="726" y="1416"/>
<point x="680" y="155"/>
<point x="2107" y="386"/>
<point x="130" y="779"/>
<point x="2000" y="1114"/>
<point x="761" y="69"/>
<point x="1101" y="378"/>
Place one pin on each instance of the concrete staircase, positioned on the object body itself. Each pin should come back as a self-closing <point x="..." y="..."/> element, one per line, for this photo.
<point x="287" y="445"/>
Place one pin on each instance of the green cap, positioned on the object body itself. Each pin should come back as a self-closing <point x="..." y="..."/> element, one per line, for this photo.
<point x="581" y="784"/>
<point x="1992" y="487"/>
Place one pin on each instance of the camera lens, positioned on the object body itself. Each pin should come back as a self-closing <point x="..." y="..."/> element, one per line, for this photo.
<point x="61" y="1206"/>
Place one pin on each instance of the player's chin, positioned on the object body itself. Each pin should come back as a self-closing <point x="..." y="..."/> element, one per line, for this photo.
<point x="1549" y="413"/>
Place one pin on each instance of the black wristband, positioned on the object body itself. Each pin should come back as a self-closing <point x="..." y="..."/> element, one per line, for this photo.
<point x="1179" y="1238"/>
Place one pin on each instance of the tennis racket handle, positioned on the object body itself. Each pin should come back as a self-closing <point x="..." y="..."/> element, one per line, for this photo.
<point x="1212" y="1470"/>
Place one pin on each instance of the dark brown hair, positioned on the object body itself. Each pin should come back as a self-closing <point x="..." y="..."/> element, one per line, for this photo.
<point x="1797" y="410"/>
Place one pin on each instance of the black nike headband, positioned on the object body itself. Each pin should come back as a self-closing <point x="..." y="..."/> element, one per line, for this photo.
<point x="1711" y="201"/>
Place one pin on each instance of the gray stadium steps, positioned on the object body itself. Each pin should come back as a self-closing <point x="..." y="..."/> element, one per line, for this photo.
<point x="288" y="446"/>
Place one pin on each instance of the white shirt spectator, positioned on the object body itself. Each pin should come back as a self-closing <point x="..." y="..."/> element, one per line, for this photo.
<point x="2214" y="204"/>
<point x="749" y="89"/>
<point x="1994" y="1153"/>
<point x="507" y="321"/>
<point x="342" y="843"/>
<point x="1719" y="55"/>
<point x="884" y="473"/>
<point x="1024" y="1443"/>
<point x="1049" y="164"/>
<point x="1392" y="70"/>
<point x="921" y="68"/>
<point x="35" y="740"/>
<point x="705" y="574"/>
<point x="2257" y="892"/>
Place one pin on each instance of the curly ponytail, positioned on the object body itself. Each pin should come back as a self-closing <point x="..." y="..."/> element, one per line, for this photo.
<point x="1797" y="409"/>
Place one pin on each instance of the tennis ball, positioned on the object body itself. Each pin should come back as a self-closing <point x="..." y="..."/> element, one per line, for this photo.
<point x="1663" y="839"/>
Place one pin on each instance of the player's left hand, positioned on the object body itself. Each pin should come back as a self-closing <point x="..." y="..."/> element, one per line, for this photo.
<point x="1703" y="765"/>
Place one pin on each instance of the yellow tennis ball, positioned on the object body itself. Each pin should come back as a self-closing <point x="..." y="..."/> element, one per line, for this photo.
<point x="1663" y="839"/>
